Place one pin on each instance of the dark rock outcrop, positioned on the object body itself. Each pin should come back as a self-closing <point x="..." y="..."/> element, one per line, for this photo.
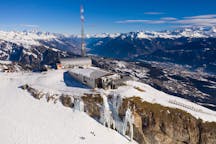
<point x="66" y="101"/>
<point x="93" y="104"/>
<point x="34" y="92"/>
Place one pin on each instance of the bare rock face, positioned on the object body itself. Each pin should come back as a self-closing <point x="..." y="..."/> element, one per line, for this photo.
<point x="93" y="105"/>
<point x="208" y="135"/>
<point x="66" y="101"/>
<point x="35" y="93"/>
<point x="152" y="123"/>
<point x="138" y="131"/>
<point x="157" y="124"/>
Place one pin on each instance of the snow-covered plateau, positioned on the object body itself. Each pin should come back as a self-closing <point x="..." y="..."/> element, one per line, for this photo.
<point x="24" y="119"/>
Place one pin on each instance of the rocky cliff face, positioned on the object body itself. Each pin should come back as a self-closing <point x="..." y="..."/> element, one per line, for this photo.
<point x="157" y="124"/>
<point x="152" y="123"/>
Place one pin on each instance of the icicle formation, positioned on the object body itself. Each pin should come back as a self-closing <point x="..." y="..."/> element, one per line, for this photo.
<point x="128" y="120"/>
<point x="116" y="101"/>
<point x="106" y="114"/>
<point x="78" y="105"/>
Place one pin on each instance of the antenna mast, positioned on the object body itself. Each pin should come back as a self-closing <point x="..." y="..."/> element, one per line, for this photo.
<point x="83" y="51"/>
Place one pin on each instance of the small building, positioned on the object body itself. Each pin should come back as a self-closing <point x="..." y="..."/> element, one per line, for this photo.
<point x="58" y="66"/>
<point x="95" y="77"/>
<point x="76" y="62"/>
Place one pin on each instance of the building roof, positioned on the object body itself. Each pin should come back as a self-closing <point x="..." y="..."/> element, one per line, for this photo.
<point x="91" y="72"/>
<point x="75" y="59"/>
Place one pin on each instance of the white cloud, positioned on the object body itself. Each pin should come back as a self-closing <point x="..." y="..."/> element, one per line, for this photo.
<point x="202" y="20"/>
<point x="154" y="13"/>
<point x="142" y="21"/>
<point x="29" y="25"/>
<point x="202" y="16"/>
<point x="168" y="18"/>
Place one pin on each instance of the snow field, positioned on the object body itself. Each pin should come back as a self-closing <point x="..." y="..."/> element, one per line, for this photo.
<point x="25" y="120"/>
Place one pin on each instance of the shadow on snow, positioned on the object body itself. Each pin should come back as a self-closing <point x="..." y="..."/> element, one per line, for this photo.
<point x="71" y="82"/>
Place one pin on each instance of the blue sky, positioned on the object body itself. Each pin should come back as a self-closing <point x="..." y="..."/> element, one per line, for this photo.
<point x="111" y="16"/>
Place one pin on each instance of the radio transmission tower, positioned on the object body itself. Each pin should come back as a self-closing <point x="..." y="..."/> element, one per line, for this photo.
<point x="83" y="50"/>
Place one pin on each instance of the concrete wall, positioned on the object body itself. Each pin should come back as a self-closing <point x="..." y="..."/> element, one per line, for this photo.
<point x="74" y="62"/>
<point x="107" y="81"/>
<point x="85" y="80"/>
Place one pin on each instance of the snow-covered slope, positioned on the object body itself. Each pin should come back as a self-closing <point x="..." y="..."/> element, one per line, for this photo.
<point x="24" y="120"/>
<point x="151" y="95"/>
<point x="25" y="38"/>
<point x="33" y="48"/>
<point x="55" y="82"/>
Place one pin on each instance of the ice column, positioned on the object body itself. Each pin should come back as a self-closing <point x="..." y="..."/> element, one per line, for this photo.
<point x="78" y="105"/>
<point x="106" y="114"/>
<point x="116" y="103"/>
<point x="128" y="121"/>
<point x="116" y="100"/>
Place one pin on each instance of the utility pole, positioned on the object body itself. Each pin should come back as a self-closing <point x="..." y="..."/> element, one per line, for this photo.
<point x="83" y="50"/>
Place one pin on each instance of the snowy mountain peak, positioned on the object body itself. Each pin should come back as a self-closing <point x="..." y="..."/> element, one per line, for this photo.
<point x="191" y="32"/>
<point x="25" y="38"/>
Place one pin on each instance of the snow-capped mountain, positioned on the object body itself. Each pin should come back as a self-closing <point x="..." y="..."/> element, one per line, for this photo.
<point x="26" y="38"/>
<point x="36" y="38"/>
<point x="189" y="32"/>
<point x="29" y="46"/>
<point x="33" y="48"/>
<point x="194" y="46"/>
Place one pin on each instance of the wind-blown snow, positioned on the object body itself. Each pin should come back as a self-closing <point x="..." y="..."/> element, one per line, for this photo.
<point x="24" y="120"/>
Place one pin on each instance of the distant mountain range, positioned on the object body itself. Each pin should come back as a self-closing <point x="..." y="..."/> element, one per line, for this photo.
<point x="190" y="32"/>
<point x="192" y="46"/>
<point x="34" y="49"/>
